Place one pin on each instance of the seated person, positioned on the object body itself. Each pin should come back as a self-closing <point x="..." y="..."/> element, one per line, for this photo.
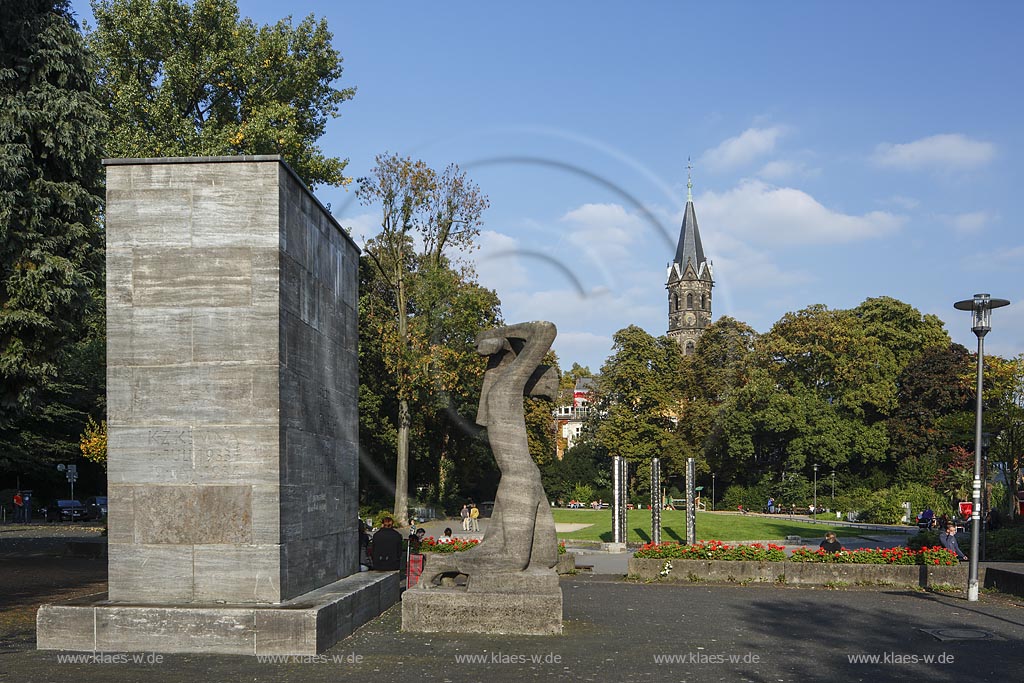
<point x="416" y="539"/>
<point x="364" y="547"/>
<point x="386" y="547"/>
<point x="831" y="544"/>
<point x="447" y="537"/>
<point x="948" y="541"/>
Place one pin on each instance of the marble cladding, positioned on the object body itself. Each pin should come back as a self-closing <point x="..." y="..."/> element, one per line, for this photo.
<point x="232" y="384"/>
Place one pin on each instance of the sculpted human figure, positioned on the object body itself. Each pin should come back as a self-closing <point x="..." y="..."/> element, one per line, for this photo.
<point x="521" y="533"/>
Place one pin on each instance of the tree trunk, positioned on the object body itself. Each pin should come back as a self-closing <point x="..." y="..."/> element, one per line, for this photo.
<point x="401" y="511"/>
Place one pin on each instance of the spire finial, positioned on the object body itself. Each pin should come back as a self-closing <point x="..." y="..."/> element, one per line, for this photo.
<point x="689" y="180"/>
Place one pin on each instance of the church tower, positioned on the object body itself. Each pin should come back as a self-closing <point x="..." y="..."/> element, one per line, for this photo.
<point x="690" y="281"/>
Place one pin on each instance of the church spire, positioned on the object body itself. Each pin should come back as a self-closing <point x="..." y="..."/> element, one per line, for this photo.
<point x="689" y="248"/>
<point x="690" y="280"/>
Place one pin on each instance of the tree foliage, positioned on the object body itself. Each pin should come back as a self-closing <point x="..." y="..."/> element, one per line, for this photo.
<point x="637" y="396"/>
<point x="194" y="79"/>
<point x="50" y="190"/>
<point x="51" y="262"/>
<point x="423" y="307"/>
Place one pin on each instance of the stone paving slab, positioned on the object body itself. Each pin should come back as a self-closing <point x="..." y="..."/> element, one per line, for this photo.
<point x="620" y="631"/>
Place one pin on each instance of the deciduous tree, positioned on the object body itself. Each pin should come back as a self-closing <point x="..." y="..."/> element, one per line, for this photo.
<point x="195" y="79"/>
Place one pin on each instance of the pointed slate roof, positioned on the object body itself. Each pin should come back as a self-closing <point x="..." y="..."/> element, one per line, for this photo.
<point x="689" y="247"/>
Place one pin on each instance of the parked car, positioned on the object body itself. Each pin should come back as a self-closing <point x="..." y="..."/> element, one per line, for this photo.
<point x="65" y="511"/>
<point x="95" y="507"/>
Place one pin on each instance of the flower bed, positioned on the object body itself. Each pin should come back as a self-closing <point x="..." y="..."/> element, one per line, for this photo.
<point x="757" y="552"/>
<point x="456" y="545"/>
<point x="758" y="563"/>
<point x="713" y="550"/>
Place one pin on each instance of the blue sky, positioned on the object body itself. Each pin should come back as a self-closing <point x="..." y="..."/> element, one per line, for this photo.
<point x="840" y="150"/>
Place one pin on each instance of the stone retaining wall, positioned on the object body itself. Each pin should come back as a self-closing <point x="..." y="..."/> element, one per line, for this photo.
<point x="800" y="573"/>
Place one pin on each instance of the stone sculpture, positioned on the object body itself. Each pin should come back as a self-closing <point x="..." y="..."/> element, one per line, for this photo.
<point x="507" y="583"/>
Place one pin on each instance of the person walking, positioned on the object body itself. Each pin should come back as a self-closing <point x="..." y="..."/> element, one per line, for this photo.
<point x="19" y="507"/>
<point x="948" y="541"/>
<point x="474" y="518"/>
<point x="465" y="517"/>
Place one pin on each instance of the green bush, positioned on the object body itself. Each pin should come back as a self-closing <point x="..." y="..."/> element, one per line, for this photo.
<point x="1006" y="544"/>
<point x="925" y="539"/>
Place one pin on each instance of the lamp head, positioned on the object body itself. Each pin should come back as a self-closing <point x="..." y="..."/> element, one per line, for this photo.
<point x="981" y="311"/>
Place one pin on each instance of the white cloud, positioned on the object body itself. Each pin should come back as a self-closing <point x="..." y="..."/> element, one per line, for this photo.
<point x="905" y="203"/>
<point x="363" y="226"/>
<point x="773" y="215"/>
<point x="969" y="223"/>
<point x="741" y="265"/>
<point x="941" y="152"/>
<point x="573" y="346"/>
<point x="1006" y="259"/>
<point x="498" y="261"/>
<point x="742" y="149"/>
<point x="784" y="168"/>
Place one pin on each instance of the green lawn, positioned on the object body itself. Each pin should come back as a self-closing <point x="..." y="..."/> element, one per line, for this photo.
<point x="709" y="526"/>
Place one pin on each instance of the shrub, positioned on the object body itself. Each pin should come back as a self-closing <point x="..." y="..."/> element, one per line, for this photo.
<point x="713" y="550"/>
<point x="925" y="539"/>
<point x="1005" y="544"/>
<point x="457" y="545"/>
<point x="928" y="555"/>
<point x="757" y="552"/>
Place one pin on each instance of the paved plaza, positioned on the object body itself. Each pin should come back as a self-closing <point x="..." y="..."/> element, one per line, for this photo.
<point x="615" y="630"/>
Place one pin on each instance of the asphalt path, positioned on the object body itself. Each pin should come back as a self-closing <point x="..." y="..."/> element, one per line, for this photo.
<point x="615" y="630"/>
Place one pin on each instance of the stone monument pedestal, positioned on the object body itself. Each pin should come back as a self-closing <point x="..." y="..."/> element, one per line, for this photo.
<point x="306" y="625"/>
<point x="232" y="415"/>
<point x="520" y="603"/>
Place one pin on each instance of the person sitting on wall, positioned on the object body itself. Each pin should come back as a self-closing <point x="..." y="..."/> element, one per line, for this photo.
<point x="447" y="537"/>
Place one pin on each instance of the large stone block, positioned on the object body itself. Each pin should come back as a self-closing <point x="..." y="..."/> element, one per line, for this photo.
<point x="150" y="573"/>
<point x="232" y="394"/>
<point x="212" y="277"/>
<point x="455" y="610"/>
<point x="307" y="625"/>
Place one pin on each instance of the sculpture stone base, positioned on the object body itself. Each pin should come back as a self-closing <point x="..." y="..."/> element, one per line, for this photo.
<point x="306" y="625"/>
<point x="529" y="606"/>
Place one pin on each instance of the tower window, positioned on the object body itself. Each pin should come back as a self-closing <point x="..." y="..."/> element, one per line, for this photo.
<point x="689" y="300"/>
<point x="703" y="302"/>
<point x="689" y="349"/>
<point x="675" y="301"/>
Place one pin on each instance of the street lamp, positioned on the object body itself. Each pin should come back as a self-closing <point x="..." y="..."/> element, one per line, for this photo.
<point x="833" y="489"/>
<point x="981" y="322"/>
<point x="815" y="488"/>
<point x="713" y="491"/>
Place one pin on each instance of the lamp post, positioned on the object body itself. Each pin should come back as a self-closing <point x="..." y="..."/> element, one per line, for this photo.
<point x="833" y="488"/>
<point x="981" y="322"/>
<point x="713" y="491"/>
<point x="815" y="488"/>
<point x="986" y="441"/>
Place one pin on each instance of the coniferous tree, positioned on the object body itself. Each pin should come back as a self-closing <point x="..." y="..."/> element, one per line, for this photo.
<point x="51" y="263"/>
